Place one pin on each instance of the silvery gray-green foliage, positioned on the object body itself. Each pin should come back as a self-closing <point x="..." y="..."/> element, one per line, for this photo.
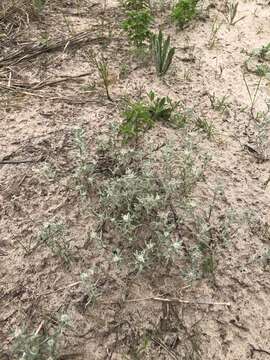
<point x="162" y="52"/>
<point x="145" y="201"/>
<point x="79" y="139"/>
<point x="84" y="168"/>
<point x="137" y="206"/>
<point x="37" y="345"/>
<point x="262" y="135"/>
<point x="211" y="235"/>
<point x="90" y="286"/>
<point x="53" y="236"/>
<point x="263" y="52"/>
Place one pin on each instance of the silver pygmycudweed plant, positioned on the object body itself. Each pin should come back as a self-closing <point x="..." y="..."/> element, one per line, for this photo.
<point x="53" y="236"/>
<point x="35" y="345"/>
<point x="138" y="203"/>
<point x="90" y="286"/>
<point x="84" y="169"/>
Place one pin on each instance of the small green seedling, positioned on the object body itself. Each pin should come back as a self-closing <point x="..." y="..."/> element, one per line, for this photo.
<point x="231" y="12"/>
<point x="258" y="62"/>
<point x="103" y="70"/>
<point x="184" y="11"/>
<point x="161" y="108"/>
<point x="137" y="119"/>
<point x="219" y="104"/>
<point x="162" y="52"/>
<point x="205" y="126"/>
<point x="213" y="35"/>
<point x="262" y="70"/>
<point x="252" y="97"/>
<point x="142" y="116"/>
<point x="264" y="52"/>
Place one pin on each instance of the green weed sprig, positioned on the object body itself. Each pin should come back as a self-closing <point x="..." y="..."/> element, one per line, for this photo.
<point x="184" y="11"/>
<point x="137" y="26"/>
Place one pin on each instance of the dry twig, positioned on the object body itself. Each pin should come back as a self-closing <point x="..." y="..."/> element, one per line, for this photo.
<point x="32" y="51"/>
<point x="176" y="301"/>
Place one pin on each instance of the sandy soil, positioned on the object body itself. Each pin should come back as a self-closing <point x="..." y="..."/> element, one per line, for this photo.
<point x="39" y="125"/>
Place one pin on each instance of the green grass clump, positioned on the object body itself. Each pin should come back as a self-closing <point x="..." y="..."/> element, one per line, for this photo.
<point x="163" y="53"/>
<point x="205" y="126"/>
<point x="137" y="25"/>
<point x="184" y="11"/>
<point x="231" y="12"/>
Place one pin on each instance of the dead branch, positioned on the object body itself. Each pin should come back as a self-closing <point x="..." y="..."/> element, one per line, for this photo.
<point x="33" y="50"/>
<point x="17" y="162"/>
<point x="173" y="301"/>
<point x="178" y="301"/>
<point x="39" y="85"/>
<point x="69" y="100"/>
<point x="259" y="350"/>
